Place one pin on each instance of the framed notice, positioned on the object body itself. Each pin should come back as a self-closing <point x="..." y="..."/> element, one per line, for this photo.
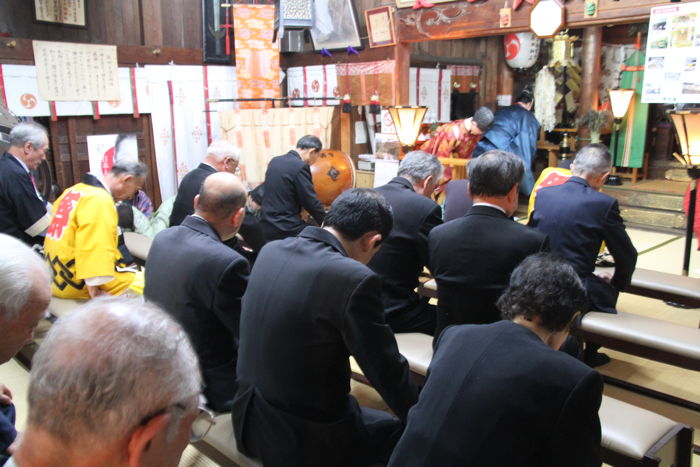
<point x="380" y="26"/>
<point x="76" y="72"/>
<point x="671" y="73"/>
<point x="67" y="12"/>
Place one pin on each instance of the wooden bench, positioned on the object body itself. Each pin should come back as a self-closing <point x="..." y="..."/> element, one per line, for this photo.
<point x="645" y="282"/>
<point x="139" y="245"/>
<point x="665" y="286"/>
<point x="220" y="445"/>
<point x="630" y="436"/>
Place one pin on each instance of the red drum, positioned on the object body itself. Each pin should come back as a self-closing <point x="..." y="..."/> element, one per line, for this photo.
<point x="332" y="173"/>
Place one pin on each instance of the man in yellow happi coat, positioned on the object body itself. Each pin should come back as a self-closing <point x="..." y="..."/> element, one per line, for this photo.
<point x="81" y="242"/>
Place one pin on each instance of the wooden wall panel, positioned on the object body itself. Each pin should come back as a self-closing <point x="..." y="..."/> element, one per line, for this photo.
<point x="168" y="23"/>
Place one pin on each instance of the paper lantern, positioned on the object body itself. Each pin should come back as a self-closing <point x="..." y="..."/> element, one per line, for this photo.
<point x="521" y="49"/>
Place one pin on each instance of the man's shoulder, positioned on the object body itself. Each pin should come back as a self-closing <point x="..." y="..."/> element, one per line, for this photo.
<point x="11" y="168"/>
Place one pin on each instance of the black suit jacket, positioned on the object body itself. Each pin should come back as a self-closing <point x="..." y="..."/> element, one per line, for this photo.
<point x="189" y="188"/>
<point x="309" y="307"/>
<point x="288" y="189"/>
<point x="404" y="252"/>
<point x="472" y="258"/>
<point x="496" y="395"/>
<point x="577" y="220"/>
<point x="200" y="282"/>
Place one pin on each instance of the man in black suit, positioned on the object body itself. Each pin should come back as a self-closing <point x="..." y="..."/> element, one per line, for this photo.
<point x="472" y="257"/>
<point x="288" y="189"/>
<point x="500" y="394"/>
<point x="577" y="218"/>
<point x="200" y="281"/>
<point x="311" y="303"/>
<point x="405" y="252"/>
<point x="222" y="156"/>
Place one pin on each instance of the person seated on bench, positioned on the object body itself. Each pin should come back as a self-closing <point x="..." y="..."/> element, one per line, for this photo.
<point x="501" y="394"/>
<point x="311" y="303"/>
<point x="404" y="253"/>
<point x="577" y="218"/>
<point x="200" y="281"/>
<point x="472" y="257"/>
<point x="25" y="292"/>
<point x="114" y="383"/>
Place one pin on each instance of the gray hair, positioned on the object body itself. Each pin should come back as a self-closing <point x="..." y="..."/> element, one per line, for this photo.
<point x="494" y="173"/>
<point x="220" y="149"/>
<point x="108" y="366"/>
<point x="130" y="167"/>
<point x="28" y="132"/>
<point x="593" y="159"/>
<point x="419" y="165"/>
<point x="483" y="118"/>
<point x="19" y="266"/>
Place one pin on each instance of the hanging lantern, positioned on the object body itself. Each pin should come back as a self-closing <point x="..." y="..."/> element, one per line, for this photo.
<point x="521" y="49"/>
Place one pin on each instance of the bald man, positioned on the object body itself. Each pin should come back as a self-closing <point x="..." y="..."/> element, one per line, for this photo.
<point x="200" y="281"/>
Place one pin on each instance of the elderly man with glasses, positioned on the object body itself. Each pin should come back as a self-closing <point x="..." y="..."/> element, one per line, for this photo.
<point x="113" y="383"/>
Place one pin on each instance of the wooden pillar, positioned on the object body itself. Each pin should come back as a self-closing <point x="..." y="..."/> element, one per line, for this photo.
<point x="590" y="71"/>
<point x="505" y="78"/>
<point x="346" y="133"/>
<point x="492" y="51"/>
<point x="402" y="62"/>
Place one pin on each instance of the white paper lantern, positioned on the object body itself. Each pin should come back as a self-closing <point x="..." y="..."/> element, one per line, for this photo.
<point x="521" y="49"/>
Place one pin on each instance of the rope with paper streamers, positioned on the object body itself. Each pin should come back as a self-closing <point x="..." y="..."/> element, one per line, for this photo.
<point x="545" y="105"/>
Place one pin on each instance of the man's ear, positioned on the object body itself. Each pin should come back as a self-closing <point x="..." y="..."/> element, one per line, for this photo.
<point x="237" y="217"/>
<point x="28" y="146"/>
<point x="141" y="438"/>
<point x="370" y="240"/>
<point x="196" y="202"/>
<point x="424" y="184"/>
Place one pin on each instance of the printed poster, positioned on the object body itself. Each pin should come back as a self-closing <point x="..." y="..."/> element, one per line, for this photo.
<point x="673" y="48"/>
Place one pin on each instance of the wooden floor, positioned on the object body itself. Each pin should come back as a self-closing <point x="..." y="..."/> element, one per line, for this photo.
<point x="658" y="251"/>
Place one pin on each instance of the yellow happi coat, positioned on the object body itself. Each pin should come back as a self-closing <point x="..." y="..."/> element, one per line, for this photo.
<point x="82" y="241"/>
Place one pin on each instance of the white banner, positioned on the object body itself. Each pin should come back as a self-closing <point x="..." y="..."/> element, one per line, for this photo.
<point x="431" y="87"/>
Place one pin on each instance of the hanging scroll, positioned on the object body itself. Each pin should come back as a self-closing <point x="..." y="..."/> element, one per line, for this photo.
<point x="76" y="72"/>
<point x="361" y="80"/>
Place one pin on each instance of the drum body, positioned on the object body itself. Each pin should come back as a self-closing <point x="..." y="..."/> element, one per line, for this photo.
<point x="332" y="173"/>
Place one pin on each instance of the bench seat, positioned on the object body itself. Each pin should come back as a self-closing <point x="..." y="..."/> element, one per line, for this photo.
<point x="220" y="445"/>
<point x="650" y="338"/>
<point x="665" y="286"/>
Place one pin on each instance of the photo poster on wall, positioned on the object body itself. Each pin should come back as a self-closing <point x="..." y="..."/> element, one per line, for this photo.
<point x="673" y="48"/>
<point x="105" y="150"/>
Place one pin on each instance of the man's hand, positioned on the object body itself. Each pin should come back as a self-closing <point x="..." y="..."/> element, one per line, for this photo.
<point x="5" y="395"/>
<point x="606" y="276"/>
<point x="95" y="291"/>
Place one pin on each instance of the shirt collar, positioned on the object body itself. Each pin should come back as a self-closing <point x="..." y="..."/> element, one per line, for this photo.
<point x="24" y="166"/>
<point x="491" y="206"/>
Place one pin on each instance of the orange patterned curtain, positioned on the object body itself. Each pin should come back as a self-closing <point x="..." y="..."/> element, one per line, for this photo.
<point x="257" y="57"/>
<point x="262" y="134"/>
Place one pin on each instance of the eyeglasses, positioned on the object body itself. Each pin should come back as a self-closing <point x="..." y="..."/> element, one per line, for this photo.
<point x="202" y="424"/>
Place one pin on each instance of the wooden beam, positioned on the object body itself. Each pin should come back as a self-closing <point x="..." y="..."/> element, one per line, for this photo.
<point x="460" y="20"/>
<point x="22" y="53"/>
<point x="592" y="42"/>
